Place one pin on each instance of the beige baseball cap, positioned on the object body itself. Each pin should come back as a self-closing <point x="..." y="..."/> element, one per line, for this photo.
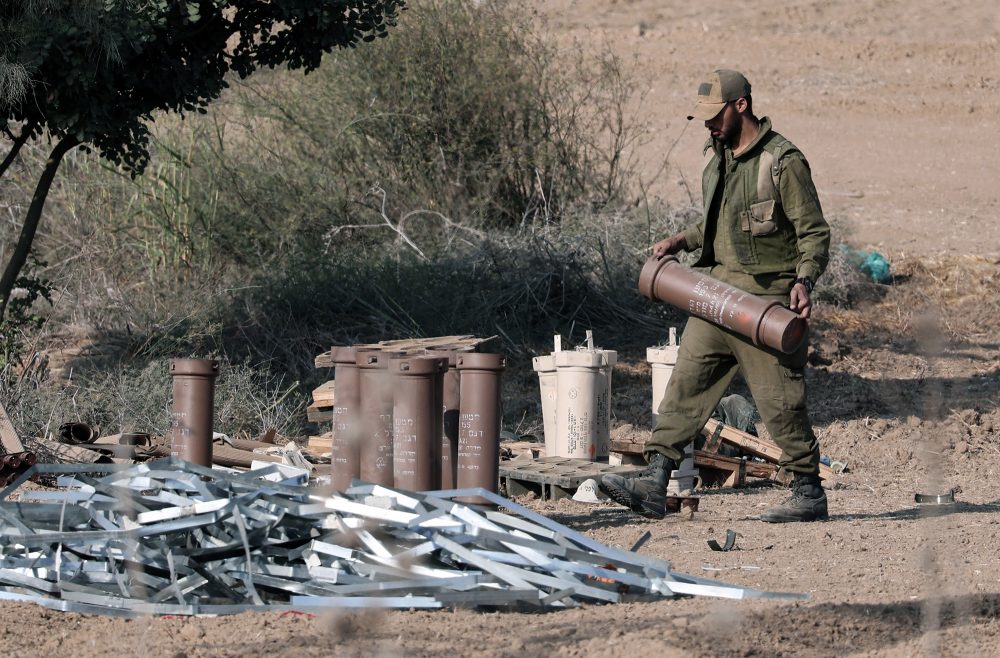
<point x="720" y="87"/>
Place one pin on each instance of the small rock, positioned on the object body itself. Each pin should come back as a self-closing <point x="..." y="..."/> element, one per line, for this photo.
<point x="588" y="492"/>
<point x="192" y="632"/>
<point x="961" y="447"/>
<point x="970" y="417"/>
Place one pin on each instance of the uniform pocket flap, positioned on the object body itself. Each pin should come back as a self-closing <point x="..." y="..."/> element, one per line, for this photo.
<point x="762" y="218"/>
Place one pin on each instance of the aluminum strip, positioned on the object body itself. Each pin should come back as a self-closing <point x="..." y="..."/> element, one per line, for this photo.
<point x="578" y="538"/>
<point x="403" y="602"/>
<point x="339" y="504"/>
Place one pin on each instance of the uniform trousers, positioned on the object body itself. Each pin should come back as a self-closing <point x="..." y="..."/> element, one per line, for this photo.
<point x="708" y="359"/>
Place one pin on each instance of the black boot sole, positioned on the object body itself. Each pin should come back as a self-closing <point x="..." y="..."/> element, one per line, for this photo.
<point x="625" y="500"/>
<point x="791" y="519"/>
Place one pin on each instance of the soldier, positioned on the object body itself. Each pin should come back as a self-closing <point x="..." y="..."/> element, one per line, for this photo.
<point x="762" y="231"/>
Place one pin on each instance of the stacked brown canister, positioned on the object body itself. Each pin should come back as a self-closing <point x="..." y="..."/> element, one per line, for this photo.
<point x="416" y="422"/>
<point x="193" y="407"/>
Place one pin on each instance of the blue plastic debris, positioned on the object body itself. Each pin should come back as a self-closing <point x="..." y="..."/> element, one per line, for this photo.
<point x="870" y="263"/>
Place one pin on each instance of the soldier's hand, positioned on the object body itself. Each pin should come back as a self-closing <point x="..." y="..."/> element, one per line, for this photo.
<point x="670" y="246"/>
<point x="800" y="301"/>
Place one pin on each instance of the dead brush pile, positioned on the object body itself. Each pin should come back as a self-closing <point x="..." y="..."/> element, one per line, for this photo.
<point x="963" y="291"/>
<point x="915" y="371"/>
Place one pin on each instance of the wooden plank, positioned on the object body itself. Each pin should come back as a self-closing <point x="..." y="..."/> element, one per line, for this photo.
<point x="323" y="395"/>
<point x="518" y="448"/>
<point x="746" y="442"/>
<point x="765" y="471"/>
<point x="720" y="462"/>
<point x="734" y="468"/>
<point x="8" y="435"/>
<point x="319" y="414"/>
<point x="754" y="445"/>
<point x="321" y="443"/>
<point x="737" y="477"/>
<point x="71" y="454"/>
<point x="404" y="344"/>
<point x="705" y="459"/>
<point x="627" y="447"/>
<point x="324" y="360"/>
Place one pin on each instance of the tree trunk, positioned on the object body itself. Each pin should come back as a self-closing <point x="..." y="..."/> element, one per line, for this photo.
<point x="16" y="148"/>
<point x="24" y="241"/>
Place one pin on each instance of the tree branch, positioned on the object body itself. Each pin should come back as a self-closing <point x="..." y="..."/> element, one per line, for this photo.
<point x="19" y="141"/>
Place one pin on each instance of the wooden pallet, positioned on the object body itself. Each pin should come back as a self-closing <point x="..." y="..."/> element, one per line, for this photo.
<point x="415" y="346"/>
<point x="551" y="478"/>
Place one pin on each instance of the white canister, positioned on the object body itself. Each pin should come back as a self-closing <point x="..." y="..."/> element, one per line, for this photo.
<point x="545" y="366"/>
<point x="579" y="381"/>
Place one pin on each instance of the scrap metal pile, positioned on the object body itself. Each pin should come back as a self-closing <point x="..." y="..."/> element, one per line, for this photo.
<point x="170" y="537"/>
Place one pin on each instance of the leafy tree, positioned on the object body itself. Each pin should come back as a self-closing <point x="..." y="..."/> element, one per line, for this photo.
<point x="20" y="16"/>
<point x="93" y="73"/>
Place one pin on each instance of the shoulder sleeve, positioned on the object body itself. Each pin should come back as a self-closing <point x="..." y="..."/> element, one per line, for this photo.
<point x="800" y="203"/>
<point x="694" y="236"/>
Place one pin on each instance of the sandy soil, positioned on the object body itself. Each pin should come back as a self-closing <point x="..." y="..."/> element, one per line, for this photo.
<point x="895" y="104"/>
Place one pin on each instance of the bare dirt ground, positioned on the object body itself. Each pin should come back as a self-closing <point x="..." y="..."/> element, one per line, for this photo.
<point x="895" y="104"/>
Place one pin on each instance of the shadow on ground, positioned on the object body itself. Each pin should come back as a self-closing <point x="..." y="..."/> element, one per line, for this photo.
<point x="837" y="629"/>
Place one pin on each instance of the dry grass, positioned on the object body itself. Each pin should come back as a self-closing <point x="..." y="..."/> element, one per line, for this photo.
<point x="962" y="291"/>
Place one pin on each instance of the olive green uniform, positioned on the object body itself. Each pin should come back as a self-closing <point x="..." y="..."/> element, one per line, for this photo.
<point x="762" y="227"/>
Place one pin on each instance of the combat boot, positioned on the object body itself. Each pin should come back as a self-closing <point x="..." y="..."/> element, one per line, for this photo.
<point x="807" y="502"/>
<point x="644" y="494"/>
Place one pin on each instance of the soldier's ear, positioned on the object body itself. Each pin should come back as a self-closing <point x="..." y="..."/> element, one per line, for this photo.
<point x="741" y="105"/>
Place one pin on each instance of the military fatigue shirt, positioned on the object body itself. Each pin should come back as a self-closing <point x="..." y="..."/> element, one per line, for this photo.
<point x="754" y="235"/>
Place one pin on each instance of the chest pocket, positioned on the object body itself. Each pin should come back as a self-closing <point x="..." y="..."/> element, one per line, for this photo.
<point x="760" y="219"/>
